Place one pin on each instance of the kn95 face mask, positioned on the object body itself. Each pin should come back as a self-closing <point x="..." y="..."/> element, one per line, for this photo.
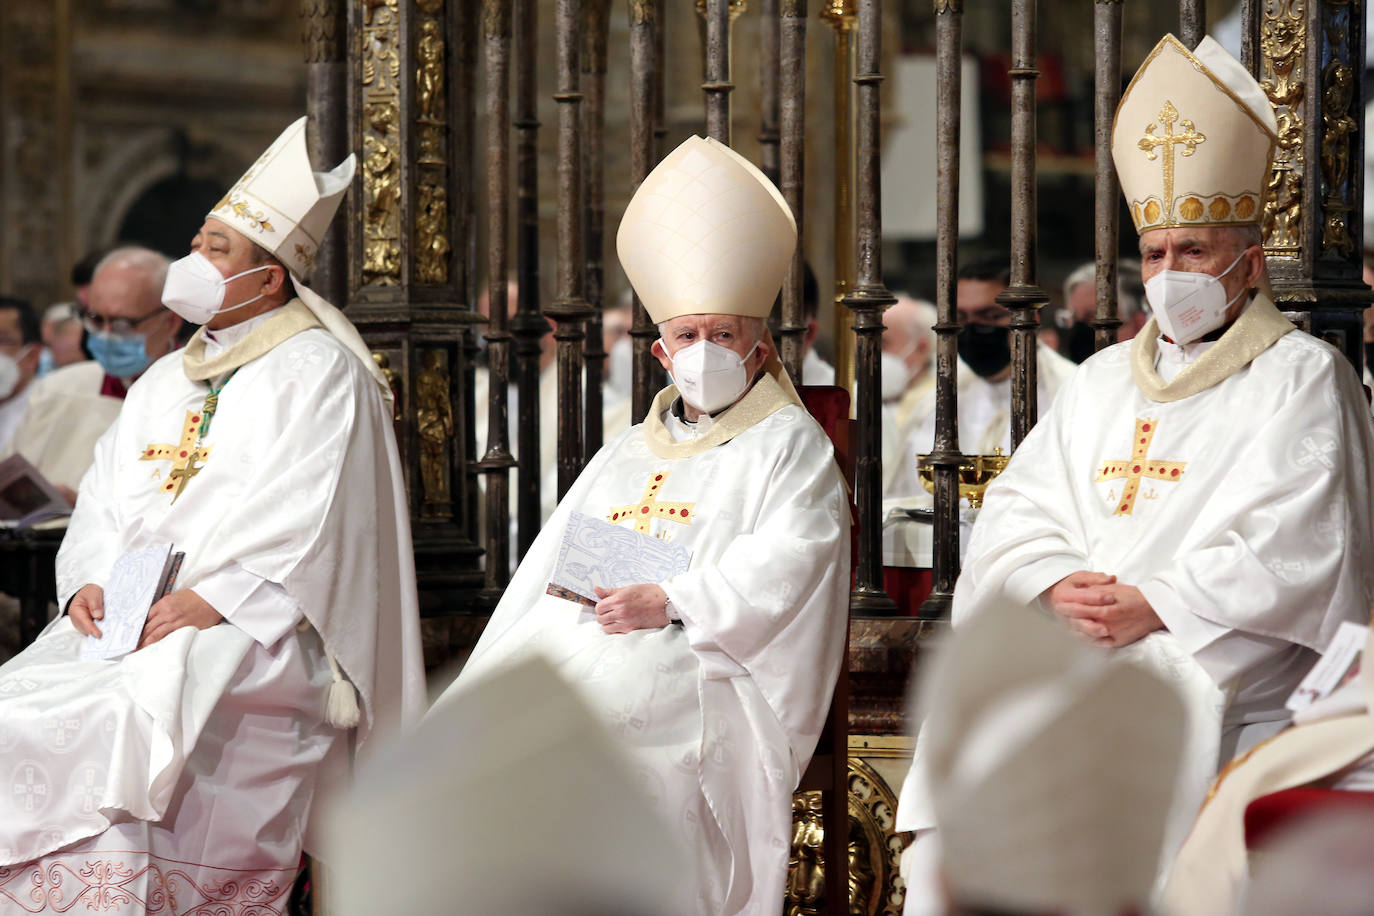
<point x="1188" y="305"/>
<point x="195" y="288"/>
<point x="709" y="376"/>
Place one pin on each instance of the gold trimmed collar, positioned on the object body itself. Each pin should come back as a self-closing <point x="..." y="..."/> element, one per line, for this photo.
<point x="1257" y="329"/>
<point x="764" y="399"/>
<point x="293" y="318"/>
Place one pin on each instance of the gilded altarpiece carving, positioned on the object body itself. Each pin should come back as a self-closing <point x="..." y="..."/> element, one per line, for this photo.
<point x="875" y="887"/>
<point x="408" y="268"/>
<point x="1308" y="57"/>
<point x="1283" y="38"/>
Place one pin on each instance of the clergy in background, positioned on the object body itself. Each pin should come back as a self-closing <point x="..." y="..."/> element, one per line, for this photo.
<point x="187" y="768"/>
<point x="19" y="355"/>
<point x="715" y="678"/>
<point x="1197" y="498"/>
<point x="984" y="380"/>
<point x="128" y="329"/>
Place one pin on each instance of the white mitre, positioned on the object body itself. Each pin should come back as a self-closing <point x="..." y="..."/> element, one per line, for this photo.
<point x="285" y="206"/>
<point x="1052" y="768"/>
<point x="509" y="797"/>
<point x="706" y="233"/>
<point x="1193" y="139"/>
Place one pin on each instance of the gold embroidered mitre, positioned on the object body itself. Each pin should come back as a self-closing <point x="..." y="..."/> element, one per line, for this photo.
<point x="1193" y="139"/>
<point x="283" y="204"/>
<point x="706" y="233"/>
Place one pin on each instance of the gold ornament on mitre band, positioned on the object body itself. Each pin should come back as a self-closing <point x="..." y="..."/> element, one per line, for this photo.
<point x="1193" y="139"/>
<point x="284" y="206"/>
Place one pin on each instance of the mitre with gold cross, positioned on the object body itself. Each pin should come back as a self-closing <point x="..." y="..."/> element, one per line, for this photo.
<point x="1193" y="139"/>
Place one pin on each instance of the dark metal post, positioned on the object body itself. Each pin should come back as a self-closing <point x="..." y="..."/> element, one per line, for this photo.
<point x="717" y="86"/>
<point x="868" y="300"/>
<point x="945" y="458"/>
<point x="528" y="326"/>
<point x="645" y="29"/>
<point x="792" y="112"/>
<point x="496" y="463"/>
<point x="569" y="308"/>
<point x="1023" y="297"/>
<point x="1192" y="22"/>
<point x="660" y="58"/>
<point x="841" y="15"/>
<point x="769" y="77"/>
<point x="1106" y="189"/>
<point x="324" y="31"/>
<point x="598" y="21"/>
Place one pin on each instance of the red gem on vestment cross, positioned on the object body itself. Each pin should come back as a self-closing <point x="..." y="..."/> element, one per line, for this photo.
<point x="649" y="508"/>
<point x="1131" y="469"/>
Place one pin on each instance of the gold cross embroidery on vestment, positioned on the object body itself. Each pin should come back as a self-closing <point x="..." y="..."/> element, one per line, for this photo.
<point x="1152" y="143"/>
<point x="183" y="455"/>
<point x="647" y="508"/>
<point x="1139" y="466"/>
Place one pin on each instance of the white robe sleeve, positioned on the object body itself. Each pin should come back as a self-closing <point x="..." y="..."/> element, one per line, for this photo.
<point x="90" y="547"/>
<point x="257" y="606"/>
<point x="781" y="584"/>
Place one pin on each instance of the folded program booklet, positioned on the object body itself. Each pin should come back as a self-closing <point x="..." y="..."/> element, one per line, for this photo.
<point x="138" y="579"/>
<point x="26" y="496"/>
<point x="595" y="553"/>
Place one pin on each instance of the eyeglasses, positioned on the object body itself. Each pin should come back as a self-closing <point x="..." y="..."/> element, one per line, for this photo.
<point x="99" y="324"/>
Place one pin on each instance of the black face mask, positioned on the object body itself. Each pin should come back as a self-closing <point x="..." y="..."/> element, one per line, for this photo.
<point x="985" y="347"/>
<point x="1080" y="341"/>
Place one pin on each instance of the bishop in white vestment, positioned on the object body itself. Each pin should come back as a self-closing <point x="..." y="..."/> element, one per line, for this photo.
<point x="715" y="681"/>
<point x="1197" y="499"/>
<point x="180" y="777"/>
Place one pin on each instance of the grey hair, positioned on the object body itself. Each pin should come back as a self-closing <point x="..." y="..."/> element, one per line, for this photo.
<point x="1127" y="279"/>
<point x="152" y="264"/>
<point x="758" y="326"/>
<point x="913" y="317"/>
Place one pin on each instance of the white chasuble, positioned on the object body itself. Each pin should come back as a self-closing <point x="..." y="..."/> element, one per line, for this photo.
<point x="182" y="775"/>
<point x="719" y="715"/>
<point x="1241" y="511"/>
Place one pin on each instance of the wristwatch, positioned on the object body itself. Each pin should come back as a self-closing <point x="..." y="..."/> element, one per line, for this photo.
<point x="671" y="611"/>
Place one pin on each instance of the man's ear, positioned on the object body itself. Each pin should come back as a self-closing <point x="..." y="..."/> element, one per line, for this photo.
<point x="1254" y="265"/>
<point x="276" y="279"/>
<point x="661" y="355"/>
<point x="813" y="330"/>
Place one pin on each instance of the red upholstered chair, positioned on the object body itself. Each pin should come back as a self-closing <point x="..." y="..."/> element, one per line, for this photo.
<point x="828" y="771"/>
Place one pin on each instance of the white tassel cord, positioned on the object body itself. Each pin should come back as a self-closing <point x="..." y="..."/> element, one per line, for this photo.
<point x="342" y="710"/>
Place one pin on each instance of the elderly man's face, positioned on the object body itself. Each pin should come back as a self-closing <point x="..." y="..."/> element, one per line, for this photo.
<point x="234" y="256"/>
<point x="1208" y="250"/>
<point x="729" y="331"/>
<point x="126" y="299"/>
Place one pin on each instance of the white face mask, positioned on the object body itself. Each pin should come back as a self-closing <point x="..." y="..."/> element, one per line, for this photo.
<point x="895" y="375"/>
<point x="1188" y="305"/>
<point x="709" y="376"/>
<point x="9" y="373"/>
<point x="195" y="288"/>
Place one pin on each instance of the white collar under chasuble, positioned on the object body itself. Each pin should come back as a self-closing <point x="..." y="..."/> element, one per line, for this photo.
<point x="764" y="399"/>
<point x="203" y="360"/>
<point x="1257" y="329"/>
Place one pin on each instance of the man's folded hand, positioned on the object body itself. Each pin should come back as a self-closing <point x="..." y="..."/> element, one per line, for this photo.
<point x="631" y="607"/>
<point x="179" y="609"/>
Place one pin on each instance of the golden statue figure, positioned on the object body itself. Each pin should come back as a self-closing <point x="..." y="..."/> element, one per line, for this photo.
<point x="434" y="423"/>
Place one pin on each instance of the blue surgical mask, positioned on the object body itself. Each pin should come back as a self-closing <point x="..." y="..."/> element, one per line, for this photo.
<point x="120" y="356"/>
<point x="46" y="362"/>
